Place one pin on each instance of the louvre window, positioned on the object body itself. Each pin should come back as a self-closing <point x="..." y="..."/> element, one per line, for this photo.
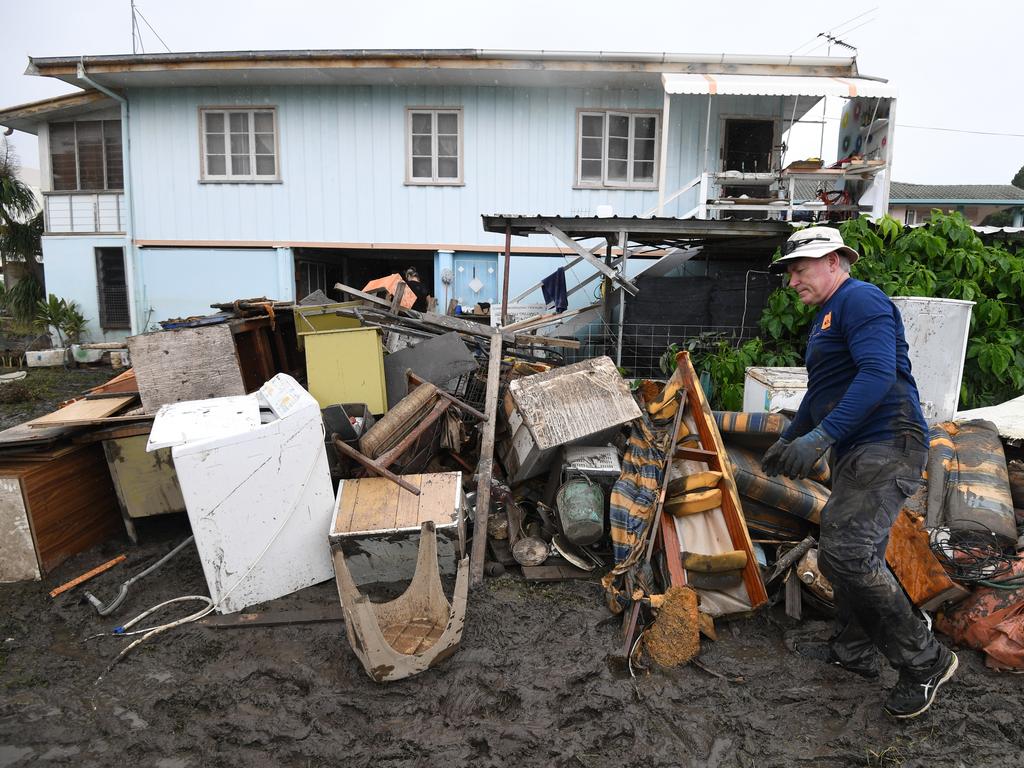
<point x="85" y="156"/>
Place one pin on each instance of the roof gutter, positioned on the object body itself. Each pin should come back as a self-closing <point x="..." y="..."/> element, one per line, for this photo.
<point x="126" y="143"/>
<point x="50" y="66"/>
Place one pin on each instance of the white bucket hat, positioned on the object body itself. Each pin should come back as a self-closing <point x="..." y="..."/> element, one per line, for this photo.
<point x="812" y="243"/>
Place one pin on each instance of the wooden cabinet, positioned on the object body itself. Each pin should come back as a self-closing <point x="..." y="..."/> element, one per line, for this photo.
<point x="52" y="507"/>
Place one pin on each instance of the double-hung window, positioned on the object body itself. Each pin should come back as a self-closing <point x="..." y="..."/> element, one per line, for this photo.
<point x="434" y="146"/>
<point x="617" y="149"/>
<point x="239" y="145"/>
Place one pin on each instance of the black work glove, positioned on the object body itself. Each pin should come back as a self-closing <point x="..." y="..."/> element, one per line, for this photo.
<point x="800" y="456"/>
<point x="770" y="461"/>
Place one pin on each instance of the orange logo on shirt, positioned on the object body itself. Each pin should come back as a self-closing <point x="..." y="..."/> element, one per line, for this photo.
<point x="826" y="322"/>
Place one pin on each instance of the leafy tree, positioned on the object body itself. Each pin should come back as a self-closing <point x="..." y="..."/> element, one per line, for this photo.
<point x="21" y="230"/>
<point x="1018" y="178"/>
<point x="945" y="258"/>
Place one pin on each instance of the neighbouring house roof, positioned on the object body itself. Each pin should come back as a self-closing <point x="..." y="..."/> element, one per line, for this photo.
<point x="426" y="66"/>
<point x="985" y="194"/>
<point x="27" y="117"/>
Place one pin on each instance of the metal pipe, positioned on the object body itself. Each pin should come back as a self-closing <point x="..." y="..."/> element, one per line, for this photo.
<point x="666" y="107"/>
<point x="113" y="605"/>
<point x="508" y="269"/>
<point x="129" y="216"/>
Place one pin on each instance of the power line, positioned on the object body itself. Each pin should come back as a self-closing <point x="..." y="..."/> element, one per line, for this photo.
<point x="950" y="130"/>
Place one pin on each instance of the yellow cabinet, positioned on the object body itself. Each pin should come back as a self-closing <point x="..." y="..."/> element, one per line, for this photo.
<point x="347" y="366"/>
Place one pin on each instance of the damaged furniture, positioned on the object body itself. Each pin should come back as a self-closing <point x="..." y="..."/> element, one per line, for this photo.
<point x="582" y="403"/>
<point x="375" y="523"/>
<point x="53" y="505"/>
<point x="234" y="356"/>
<point x="347" y="366"/>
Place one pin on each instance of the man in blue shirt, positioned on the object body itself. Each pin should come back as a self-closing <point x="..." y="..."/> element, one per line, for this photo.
<point x="862" y="403"/>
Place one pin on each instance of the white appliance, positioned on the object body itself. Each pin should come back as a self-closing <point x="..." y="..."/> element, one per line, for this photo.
<point x="936" y="331"/>
<point x="254" y="476"/>
<point x="772" y="390"/>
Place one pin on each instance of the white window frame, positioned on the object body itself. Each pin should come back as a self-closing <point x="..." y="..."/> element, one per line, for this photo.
<point x="910" y="217"/>
<point x="605" y="182"/>
<point x="434" y="180"/>
<point x="229" y="178"/>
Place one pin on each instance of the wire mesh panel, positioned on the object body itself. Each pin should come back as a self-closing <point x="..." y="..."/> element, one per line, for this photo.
<point x="112" y="288"/>
<point x="644" y="344"/>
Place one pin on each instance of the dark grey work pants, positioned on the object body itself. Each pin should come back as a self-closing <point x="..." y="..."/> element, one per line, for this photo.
<point x="869" y="486"/>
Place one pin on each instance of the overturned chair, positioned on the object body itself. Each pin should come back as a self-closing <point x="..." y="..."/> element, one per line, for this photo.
<point x="383" y="534"/>
<point x="413" y="632"/>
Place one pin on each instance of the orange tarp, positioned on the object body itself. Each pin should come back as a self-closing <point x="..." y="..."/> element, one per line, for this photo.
<point x="390" y="284"/>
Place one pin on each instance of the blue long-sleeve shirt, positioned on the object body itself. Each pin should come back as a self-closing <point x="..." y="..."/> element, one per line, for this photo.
<point x="859" y="384"/>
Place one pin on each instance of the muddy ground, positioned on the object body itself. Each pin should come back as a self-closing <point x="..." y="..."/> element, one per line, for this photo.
<point x="531" y="686"/>
<point x="43" y="389"/>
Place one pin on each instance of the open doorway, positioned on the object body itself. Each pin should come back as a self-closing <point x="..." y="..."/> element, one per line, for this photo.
<point x="322" y="268"/>
<point x="748" y="145"/>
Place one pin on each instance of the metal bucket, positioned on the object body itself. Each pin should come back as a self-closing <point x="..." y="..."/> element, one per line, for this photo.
<point x="580" y="506"/>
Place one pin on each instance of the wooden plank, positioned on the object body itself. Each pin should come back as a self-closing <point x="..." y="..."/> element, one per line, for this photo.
<point x="732" y="511"/>
<point x="360" y="294"/>
<point x="83" y="410"/>
<point x="526" y="340"/>
<point x="123" y="382"/>
<point x="185" y="364"/>
<point x="408" y="512"/>
<point x="699" y="454"/>
<point x="485" y="466"/>
<point x="346" y="507"/>
<point x="102" y="568"/>
<point x="109" y="421"/>
<point x="593" y="260"/>
<point x="274" y="618"/>
<point x="377" y="509"/>
<point x="437" y="502"/>
<point x="553" y="573"/>
<point x="373" y="466"/>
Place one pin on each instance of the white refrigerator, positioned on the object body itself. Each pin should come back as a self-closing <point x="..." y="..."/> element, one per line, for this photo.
<point x="254" y="476"/>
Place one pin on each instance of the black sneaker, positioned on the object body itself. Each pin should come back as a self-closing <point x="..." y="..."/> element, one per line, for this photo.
<point x="822" y="651"/>
<point x="913" y="695"/>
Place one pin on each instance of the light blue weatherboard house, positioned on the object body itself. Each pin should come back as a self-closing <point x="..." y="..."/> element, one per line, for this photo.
<point x="175" y="180"/>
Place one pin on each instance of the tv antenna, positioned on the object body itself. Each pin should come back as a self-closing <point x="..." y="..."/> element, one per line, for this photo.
<point x="137" y="31"/>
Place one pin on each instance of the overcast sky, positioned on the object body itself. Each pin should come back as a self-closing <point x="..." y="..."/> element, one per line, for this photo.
<point x="956" y="64"/>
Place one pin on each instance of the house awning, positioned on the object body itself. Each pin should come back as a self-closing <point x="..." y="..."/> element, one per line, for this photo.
<point x="775" y="85"/>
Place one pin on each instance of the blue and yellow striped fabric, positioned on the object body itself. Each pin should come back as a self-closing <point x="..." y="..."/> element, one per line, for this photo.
<point x="760" y="430"/>
<point x="741" y="422"/>
<point x="635" y="495"/>
<point x="803" y="498"/>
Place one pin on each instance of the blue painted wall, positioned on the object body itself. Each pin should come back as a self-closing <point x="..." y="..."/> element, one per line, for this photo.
<point x="342" y="156"/>
<point x="70" y="269"/>
<point x="181" y="282"/>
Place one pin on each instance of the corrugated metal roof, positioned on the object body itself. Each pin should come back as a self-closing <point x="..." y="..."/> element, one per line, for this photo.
<point x="996" y="193"/>
<point x="776" y="85"/>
